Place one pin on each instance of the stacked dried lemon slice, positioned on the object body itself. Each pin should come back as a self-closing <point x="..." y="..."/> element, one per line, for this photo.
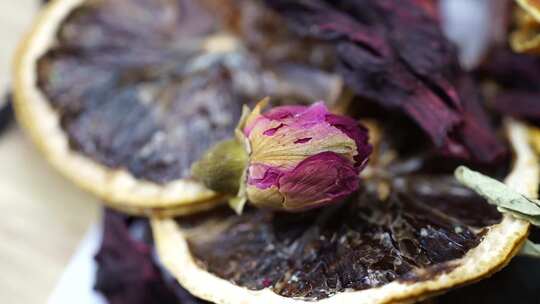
<point x="426" y="236"/>
<point x="122" y="96"/>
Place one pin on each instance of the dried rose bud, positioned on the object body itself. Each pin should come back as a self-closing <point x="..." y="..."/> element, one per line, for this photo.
<point x="303" y="157"/>
<point x="297" y="158"/>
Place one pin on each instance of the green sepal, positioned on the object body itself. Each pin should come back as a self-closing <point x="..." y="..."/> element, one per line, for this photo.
<point x="222" y="167"/>
<point x="497" y="193"/>
<point x="237" y="203"/>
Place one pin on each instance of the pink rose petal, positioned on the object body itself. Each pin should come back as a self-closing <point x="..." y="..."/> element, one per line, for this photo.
<point x="323" y="178"/>
<point x="263" y="176"/>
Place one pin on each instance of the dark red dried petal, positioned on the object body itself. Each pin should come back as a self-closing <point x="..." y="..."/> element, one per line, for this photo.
<point x="325" y="21"/>
<point x="369" y="76"/>
<point x="476" y="130"/>
<point x="518" y="78"/>
<point x="394" y="53"/>
<point x="419" y="42"/>
<point x="511" y="70"/>
<point x="518" y="103"/>
<point x="126" y="272"/>
<point x="430" y="6"/>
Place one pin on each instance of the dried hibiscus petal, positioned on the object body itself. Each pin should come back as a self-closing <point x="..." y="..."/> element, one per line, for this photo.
<point x="511" y="70"/>
<point x="126" y="272"/>
<point x="517" y="77"/>
<point x="394" y="53"/>
<point x="518" y="103"/>
<point x="475" y="129"/>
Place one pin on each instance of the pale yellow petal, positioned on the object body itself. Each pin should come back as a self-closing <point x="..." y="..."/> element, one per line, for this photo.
<point x="280" y="149"/>
<point x="267" y="198"/>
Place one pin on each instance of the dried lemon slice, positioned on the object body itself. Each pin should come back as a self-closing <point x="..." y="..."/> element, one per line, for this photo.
<point x="425" y="236"/>
<point x="123" y="95"/>
<point x="526" y="38"/>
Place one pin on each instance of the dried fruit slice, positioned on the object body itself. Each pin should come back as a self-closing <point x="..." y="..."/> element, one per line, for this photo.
<point x="123" y="95"/>
<point x="400" y="240"/>
<point x="526" y="38"/>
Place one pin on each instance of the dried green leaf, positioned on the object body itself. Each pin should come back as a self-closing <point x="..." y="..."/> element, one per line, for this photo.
<point x="507" y="201"/>
<point x="499" y="194"/>
<point x="530" y="249"/>
<point x="533" y="220"/>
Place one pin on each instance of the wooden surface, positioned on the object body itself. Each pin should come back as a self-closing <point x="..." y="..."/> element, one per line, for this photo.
<point x="42" y="216"/>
